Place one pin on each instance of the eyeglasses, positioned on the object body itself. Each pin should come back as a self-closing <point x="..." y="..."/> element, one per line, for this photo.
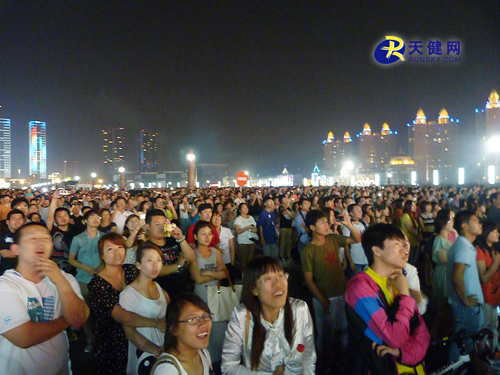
<point x="270" y="280"/>
<point x="194" y="321"/>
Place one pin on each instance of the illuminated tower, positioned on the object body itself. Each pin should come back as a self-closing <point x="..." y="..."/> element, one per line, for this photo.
<point x="5" y="155"/>
<point x="113" y="148"/>
<point x="386" y="145"/>
<point x="367" y="151"/>
<point x="148" y="147"/>
<point x="420" y="156"/>
<point x="330" y="154"/>
<point x="435" y="147"/>
<point x="38" y="149"/>
<point x="493" y="115"/>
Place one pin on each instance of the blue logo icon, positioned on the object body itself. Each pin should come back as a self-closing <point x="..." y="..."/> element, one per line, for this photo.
<point x="389" y="51"/>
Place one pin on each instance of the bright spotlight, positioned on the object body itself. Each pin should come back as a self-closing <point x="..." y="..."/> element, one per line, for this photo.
<point x="349" y="165"/>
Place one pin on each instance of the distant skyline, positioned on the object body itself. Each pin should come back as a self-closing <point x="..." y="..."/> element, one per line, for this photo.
<point x="254" y="84"/>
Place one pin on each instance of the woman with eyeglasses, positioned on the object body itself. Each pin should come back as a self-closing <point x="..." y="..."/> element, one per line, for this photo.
<point x="189" y="323"/>
<point x="269" y="332"/>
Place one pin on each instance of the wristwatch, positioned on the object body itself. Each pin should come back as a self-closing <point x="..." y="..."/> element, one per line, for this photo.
<point x="178" y="267"/>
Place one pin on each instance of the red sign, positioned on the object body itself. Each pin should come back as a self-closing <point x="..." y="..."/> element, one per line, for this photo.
<point x="241" y="178"/>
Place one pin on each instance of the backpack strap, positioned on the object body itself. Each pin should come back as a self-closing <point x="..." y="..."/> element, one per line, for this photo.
<point x="166" y="358"/>
<point x="247" y="328"/>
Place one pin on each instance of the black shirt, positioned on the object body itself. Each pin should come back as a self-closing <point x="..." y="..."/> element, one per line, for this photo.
<point x="176" y="282"/>
<point x="6" y="240"/>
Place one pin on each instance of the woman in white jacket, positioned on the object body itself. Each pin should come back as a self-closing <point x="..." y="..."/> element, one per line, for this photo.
<point x="269" y="333"/>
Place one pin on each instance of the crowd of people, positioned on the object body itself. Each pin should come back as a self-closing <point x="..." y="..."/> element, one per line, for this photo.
<point x="381" y="270"/>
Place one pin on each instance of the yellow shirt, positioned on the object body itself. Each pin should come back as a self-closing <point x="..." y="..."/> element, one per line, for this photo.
<point x="382" y="283"/>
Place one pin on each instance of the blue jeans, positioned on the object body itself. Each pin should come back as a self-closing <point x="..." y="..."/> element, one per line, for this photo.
<point x="331" y="324"/>
<point x="468" y="319"/>
<point x="270" y="250"/>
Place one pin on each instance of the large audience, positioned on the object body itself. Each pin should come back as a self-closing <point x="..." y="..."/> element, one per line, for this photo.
<point x="352" y="280"/>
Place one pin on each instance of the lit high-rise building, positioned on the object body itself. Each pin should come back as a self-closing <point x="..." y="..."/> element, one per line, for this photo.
<point x="493" y="115"/>
<point x="38" y="149"/>
<point x="5" y="155"/>
<point x="330" y="158"/>
<point x="148" y="147"/>
<point x="435" y="147"/>
<point x="377" y="149"/>
<point x="113" y="149"/>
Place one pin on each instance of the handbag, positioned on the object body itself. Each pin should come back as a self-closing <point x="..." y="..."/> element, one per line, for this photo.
<point x="253" y="237"/>
<point x="223" y="299"/>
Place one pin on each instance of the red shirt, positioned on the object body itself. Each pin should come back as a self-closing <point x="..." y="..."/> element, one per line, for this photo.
<point x="215" y="236"/>
<point x="491" y="290"/>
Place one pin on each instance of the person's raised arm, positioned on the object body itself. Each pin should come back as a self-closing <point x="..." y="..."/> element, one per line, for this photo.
<point x="52" y="210"/>
<point x="187" y="251"/>
<point x="74" y="310"/>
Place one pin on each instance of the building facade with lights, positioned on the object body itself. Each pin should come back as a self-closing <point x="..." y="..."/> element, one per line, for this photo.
<point x="435" y="148"/>
<point x="38" y="149"/>
<point x="376" y="149"/>
<point x="5" y="152"/>
<point x="113" y="149"/>
<point x="148" y="152"/>
<point x="337" y="152"/>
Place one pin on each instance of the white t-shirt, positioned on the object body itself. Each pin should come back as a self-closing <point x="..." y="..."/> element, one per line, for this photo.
<point x="170" y="369"/>
<point x="23" y="301"/>
<point x="224" y="237"/>
<point x="243" y="237"/>
<point x="357" y="253"/>
<point x="120" y="219"/>
<point x="183" y="215"/>
<point x="132" y="300"/>
<point x="414" y="284"/>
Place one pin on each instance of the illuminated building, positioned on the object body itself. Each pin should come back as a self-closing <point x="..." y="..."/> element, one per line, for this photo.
<point x="5" y="154"/>
<point x="148" y="147"/>
<point x="493" y="115"/>
<point x="376" y="149"/>
<point x="336" y="152"/>
<point x="330" y="158"/>
<point x="38" y="149"/>
<point x="113" y="149"/>
<point x="435" y="147"/>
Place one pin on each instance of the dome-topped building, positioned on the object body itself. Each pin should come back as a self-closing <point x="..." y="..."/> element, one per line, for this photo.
<point x="386" y="130"/>
<point x="421" y="119"/>
<point x="443" y="117"/>
<point x="493" y="100"/>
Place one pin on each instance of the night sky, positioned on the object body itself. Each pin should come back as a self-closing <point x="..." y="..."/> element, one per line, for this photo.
<point x="255" y="84"/>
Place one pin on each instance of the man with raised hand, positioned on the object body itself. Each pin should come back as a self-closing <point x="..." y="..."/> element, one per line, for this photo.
<point x="39" y="301"/>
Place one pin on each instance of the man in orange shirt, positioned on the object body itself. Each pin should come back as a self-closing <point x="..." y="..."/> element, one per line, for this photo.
<point x="4" y="206"/>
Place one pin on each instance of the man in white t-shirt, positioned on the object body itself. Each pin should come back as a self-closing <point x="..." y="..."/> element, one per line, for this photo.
<point x="120" y="215"/>
<point x="356" y="256"/>
<point x="38" y="303"/>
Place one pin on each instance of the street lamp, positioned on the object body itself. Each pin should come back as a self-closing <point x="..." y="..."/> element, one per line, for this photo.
<point x="122" y="177"/>
<point x="93" y="175"/>
<point x="191" y="158"/>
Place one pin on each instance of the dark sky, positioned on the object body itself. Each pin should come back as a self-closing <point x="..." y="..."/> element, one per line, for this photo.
<point x="256" y="84"/>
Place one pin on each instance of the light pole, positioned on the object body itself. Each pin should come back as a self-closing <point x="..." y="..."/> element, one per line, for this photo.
<point x="122" y="177"/>
<point x="191" y="158"/>
<point x="93" y="175"/>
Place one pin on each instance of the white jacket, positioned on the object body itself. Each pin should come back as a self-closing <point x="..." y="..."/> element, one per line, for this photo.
<point x="236" y="359"/>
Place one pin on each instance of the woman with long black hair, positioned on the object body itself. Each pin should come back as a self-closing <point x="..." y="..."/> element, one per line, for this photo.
<point x="269" y="331"/>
